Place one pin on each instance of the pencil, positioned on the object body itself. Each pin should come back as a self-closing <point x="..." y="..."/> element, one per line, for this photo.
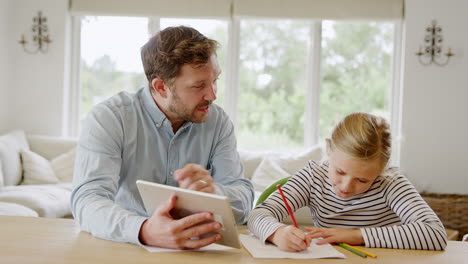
<point x="287" y="206"/>
<point x="362" y="251"/>
<point x="345" y="246"/>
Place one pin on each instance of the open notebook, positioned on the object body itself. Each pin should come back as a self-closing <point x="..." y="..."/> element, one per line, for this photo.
<point x="259" y="250"/>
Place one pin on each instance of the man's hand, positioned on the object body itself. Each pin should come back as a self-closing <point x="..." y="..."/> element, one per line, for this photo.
<point x="161" y="230"/>
<point x="335" y="235"/>
<point x="290" y="238"/>
<point x="194" y="177"/>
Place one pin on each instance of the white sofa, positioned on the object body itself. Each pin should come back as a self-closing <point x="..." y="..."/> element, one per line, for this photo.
<point x="35" y="175"/>
<point x="26" y="194"/>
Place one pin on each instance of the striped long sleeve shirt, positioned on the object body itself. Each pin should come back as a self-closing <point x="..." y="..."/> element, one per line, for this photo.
<point x="391" y="214"/>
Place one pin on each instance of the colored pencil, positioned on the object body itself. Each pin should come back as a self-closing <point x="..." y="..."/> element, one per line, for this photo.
<point x="362" y="251"/>
<point x="352" y="250"/>
<point x="287" y="206"/>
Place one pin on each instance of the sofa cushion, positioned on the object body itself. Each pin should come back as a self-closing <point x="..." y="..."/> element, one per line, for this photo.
<point x="293" y="163"/>
<point x="63" y="165"/>
<point x="50" y="147"/>
<point x="37" y="170"/>
<point x="275" y="167"/>
<point x="10" y="146"/>
<point x="1" y="175"/>
<point x="267" y="172"/>
<point x="49" y="200"/>
<point x="250" y="161"/>
<point x="16" y="209"/>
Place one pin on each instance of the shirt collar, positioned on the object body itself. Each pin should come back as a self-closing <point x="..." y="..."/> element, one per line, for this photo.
<point x="152" y="108"/>
<point x="155" y="113"/>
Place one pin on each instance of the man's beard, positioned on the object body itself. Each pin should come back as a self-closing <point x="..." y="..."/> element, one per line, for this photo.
<point x="182" y="113"/>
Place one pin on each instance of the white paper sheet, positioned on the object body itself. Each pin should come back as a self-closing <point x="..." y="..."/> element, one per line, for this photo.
<point x="258" y="250"/>
<point x="207" y="248"/>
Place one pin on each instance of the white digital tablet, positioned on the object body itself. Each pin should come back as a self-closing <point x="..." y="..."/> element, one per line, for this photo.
<point x="190" y="202"/>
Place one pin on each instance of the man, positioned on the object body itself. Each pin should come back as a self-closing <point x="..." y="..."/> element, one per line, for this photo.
<point x="170" y="133"/>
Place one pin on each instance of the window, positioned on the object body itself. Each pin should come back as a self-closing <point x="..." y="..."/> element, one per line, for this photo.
<point x="281" y="68"/>
<point x="272" y="83"/>
<point x="355" y="75"/>
<point x="356" y="70"/>
<point x="110" y="58"/>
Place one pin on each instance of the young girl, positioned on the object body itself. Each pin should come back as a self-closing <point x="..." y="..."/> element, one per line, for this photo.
<point x="353" y="197"/>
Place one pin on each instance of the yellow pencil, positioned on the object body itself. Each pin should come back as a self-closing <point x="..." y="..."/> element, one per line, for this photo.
<point x="362" y="251"/>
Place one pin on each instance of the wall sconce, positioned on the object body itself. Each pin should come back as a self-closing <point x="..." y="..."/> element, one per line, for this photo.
<point x="40" y="36"/>
<point x="432" y="52"/>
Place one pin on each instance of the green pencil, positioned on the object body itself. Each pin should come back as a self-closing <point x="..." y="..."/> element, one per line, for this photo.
<point x="352" y="250"/>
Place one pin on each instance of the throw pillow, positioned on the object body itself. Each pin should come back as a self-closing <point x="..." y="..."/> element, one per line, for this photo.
<point x="274" y="167"/>
<point x="1" y="175"/>
<point x="37" y="170"/>
<point x="63" y="165"/>
<point x="295" y="162"/>
<point x="10" y="146"/>
<point x="267" y="173"/>
<point x="250" y="161"/>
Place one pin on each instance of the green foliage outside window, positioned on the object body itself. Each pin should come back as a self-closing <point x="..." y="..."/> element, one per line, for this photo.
<point x="356" y="69"/>
<point x="101" y="80"/>
<point x="272" y="84"/>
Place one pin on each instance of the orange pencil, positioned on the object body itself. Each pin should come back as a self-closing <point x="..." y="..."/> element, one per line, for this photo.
<point x="287" y="205"/>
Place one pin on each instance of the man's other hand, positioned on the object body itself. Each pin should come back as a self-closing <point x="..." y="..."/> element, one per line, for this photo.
<point x="195" y="177"/>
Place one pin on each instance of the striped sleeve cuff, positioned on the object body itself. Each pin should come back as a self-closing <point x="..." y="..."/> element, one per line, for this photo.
<point x="262" y="225"/>
<point x="269" y="231"/>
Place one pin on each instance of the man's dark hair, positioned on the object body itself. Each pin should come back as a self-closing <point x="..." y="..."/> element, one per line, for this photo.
<point x="165" y="53"/>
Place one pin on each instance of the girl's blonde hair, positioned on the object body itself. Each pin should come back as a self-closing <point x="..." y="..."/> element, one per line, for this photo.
<point x="363" y="136"/>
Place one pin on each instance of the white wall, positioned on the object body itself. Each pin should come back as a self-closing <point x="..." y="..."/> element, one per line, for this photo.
<point x="435" y="100"/>
<point x="4" y="125"/>
<point x="36" y="80"/>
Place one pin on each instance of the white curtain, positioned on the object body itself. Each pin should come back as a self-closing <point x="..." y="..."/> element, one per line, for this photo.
<point x="320" y="9"/>
<point x="312" y="9"/>
<point x="149" y="8"/>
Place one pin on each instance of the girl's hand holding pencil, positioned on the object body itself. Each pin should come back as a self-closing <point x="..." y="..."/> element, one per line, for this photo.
<point x="290" y="238"/>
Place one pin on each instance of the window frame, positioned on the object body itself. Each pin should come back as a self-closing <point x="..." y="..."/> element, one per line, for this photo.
<point x="71" y="123"/>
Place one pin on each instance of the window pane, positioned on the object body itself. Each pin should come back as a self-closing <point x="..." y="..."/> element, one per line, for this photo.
<point x="213" y="29"/>
<point x="356" y="70"/>
<point x="110" y="58"/>
<point x="273" y="55"/>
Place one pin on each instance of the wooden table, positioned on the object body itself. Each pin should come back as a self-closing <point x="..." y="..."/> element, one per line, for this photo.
<point x="51" y="240"/>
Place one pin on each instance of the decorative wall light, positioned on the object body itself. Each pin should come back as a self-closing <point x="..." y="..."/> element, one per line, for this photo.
<point x="40" y="37"/>
<point x="432" y="52"/>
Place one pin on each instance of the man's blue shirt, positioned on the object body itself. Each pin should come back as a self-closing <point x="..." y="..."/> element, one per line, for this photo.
<point x="128" y="138"/>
